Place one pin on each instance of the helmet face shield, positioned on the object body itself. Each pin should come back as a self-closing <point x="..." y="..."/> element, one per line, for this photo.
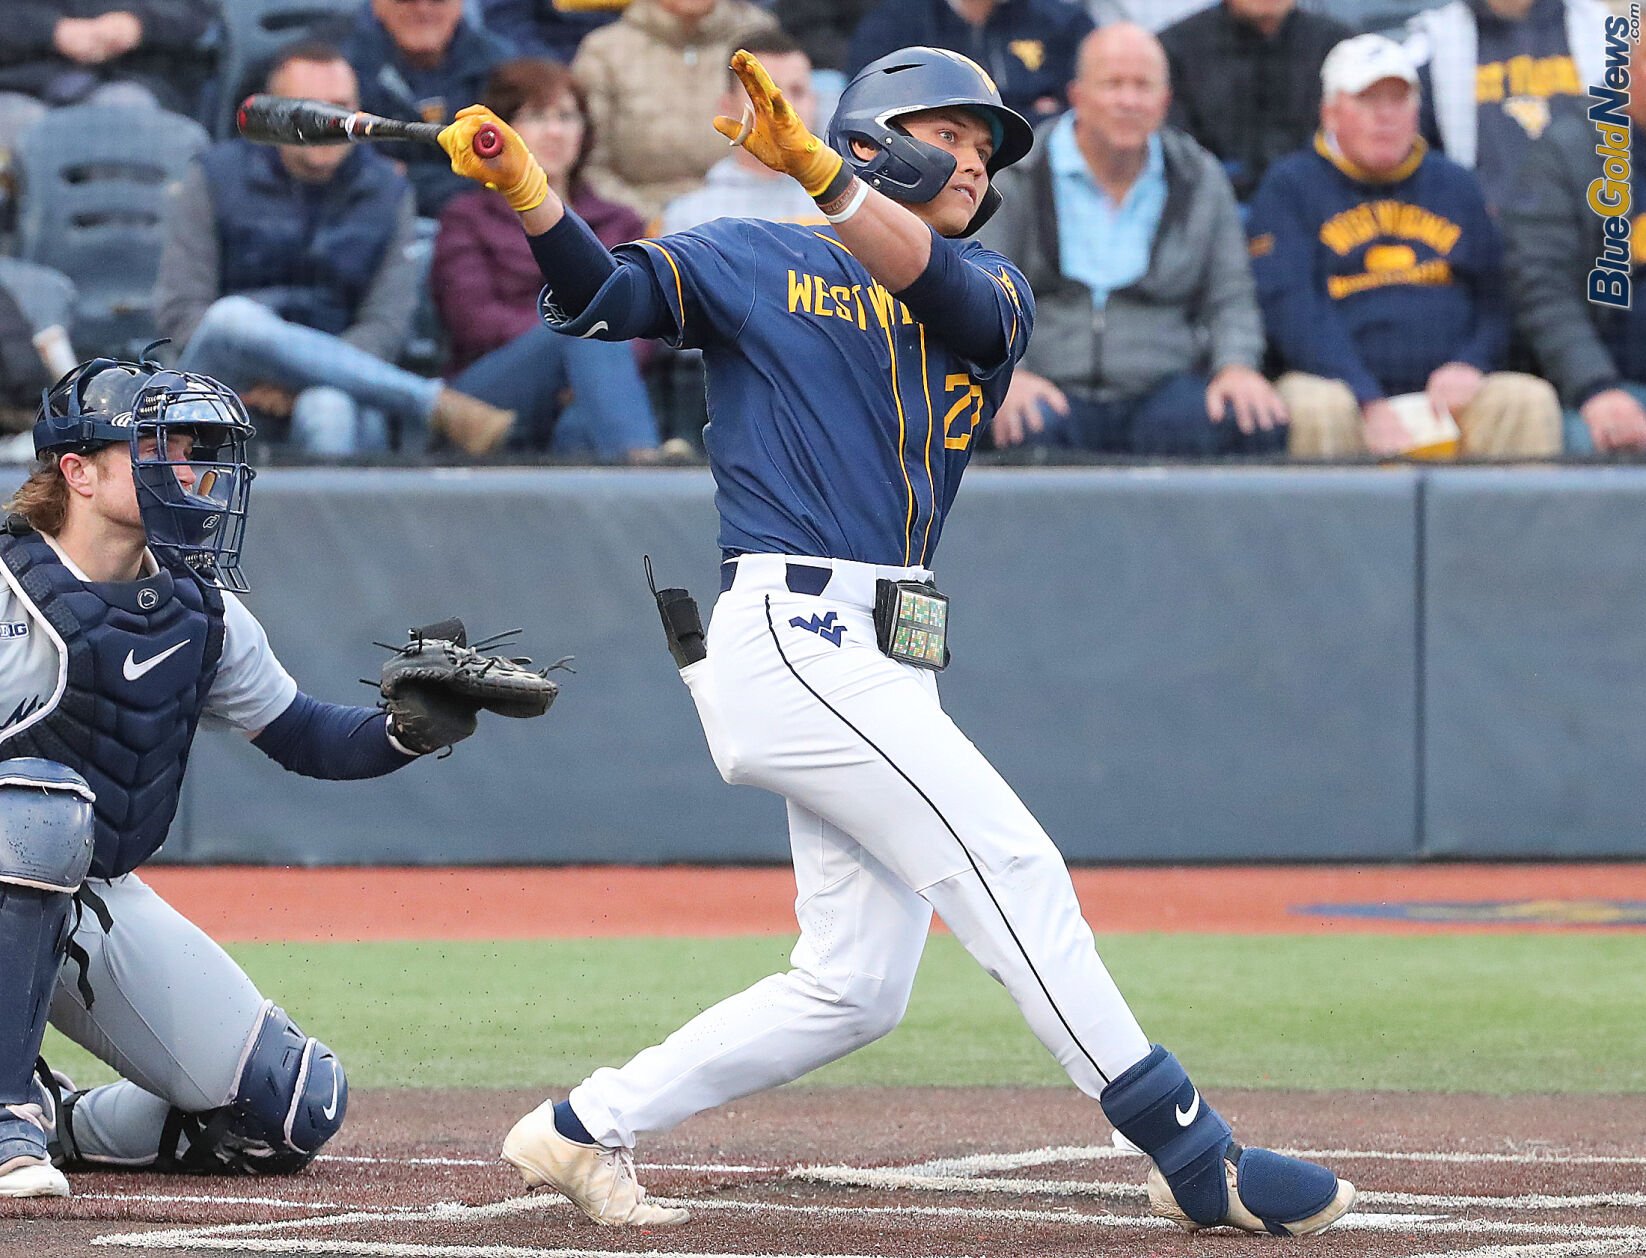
<point x="188" y="457"/>
<point x="912" y="81"/>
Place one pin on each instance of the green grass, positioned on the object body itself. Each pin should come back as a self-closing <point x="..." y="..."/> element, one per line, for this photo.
<point x="1502" y="1014"/>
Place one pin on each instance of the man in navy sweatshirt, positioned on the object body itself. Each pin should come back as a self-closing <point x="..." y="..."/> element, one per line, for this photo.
<point x="1380" y="274"/>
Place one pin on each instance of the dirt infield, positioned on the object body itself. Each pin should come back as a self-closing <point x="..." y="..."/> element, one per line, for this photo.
<point x="878" y="1173"/>
<point x="333" y="905"/>
<point x="922" y="1172"/>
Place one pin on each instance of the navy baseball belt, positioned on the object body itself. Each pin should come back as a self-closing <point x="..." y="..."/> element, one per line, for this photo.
<point x="911" y="616"/>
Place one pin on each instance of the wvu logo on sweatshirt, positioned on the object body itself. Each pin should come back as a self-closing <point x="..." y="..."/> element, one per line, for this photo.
<point x="1403" y="243"/>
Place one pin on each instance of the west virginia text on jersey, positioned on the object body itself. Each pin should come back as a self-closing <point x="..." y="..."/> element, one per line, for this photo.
<point x="838" y="424"/>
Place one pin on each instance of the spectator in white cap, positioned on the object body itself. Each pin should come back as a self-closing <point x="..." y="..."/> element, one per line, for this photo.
<point x="1380" y="274"/>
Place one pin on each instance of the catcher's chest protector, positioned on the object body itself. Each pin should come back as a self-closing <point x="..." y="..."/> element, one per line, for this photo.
<point x="140" y="658"/>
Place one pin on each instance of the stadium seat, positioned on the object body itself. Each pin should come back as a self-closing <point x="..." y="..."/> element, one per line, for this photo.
<point x="252" y="32"/>
<point x="92" y="186"/>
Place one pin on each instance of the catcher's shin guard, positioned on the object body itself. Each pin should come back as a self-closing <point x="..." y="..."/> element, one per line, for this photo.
<point x="1201" y="1177"/>
<point x="46" y="833"/>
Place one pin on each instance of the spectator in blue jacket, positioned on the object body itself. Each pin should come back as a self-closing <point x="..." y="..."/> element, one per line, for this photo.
<point x="544" y="28"/>
<point x="285" y="273"/>
<point x="1027" y="46"/>
<point x="1380" y="274"/>
<point x="419" y="60"/>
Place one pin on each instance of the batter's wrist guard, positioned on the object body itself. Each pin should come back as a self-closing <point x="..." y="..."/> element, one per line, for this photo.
<point x="836" y="188"/>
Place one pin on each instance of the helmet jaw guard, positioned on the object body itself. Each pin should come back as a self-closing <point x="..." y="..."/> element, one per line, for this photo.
<point x="201" y="524"/>
<point x="910" y="81"/>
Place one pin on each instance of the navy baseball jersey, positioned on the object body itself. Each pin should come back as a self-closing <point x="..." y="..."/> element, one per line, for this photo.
<point x="839" y="425"/>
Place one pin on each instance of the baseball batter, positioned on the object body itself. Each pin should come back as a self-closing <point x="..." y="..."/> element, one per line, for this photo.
<point x="119" y="633"/>
<point x="851" y="370"/>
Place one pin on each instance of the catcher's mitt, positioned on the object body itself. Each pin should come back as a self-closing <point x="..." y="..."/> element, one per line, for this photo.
<point x="434" y="686"/>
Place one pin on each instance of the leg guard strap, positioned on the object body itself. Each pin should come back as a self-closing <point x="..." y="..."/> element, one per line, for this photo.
<point x="1155" y="1106"/>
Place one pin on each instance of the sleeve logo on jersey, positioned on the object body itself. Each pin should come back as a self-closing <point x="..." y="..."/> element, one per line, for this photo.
<point x="13" y="629"/>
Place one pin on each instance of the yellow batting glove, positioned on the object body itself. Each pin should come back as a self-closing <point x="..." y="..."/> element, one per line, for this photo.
<point x="775" y="133"/>
<point x="514" y="172"/>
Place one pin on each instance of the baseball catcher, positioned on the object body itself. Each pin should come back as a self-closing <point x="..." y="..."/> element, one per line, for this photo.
<point x="121" y="631"/>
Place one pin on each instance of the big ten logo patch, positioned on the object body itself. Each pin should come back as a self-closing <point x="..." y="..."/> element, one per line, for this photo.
<point x="12" y="629"/>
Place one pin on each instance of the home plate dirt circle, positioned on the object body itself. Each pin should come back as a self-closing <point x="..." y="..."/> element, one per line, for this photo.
<point x="877" y="1173"/>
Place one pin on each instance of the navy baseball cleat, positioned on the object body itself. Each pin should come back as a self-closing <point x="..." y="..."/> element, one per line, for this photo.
<point x="1201" y="1177"/>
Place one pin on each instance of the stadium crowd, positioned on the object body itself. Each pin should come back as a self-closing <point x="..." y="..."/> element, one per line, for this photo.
<point x="1328" y="228"/>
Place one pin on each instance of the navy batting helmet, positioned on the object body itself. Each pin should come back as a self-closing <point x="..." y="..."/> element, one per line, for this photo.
<point x="907" y="82"/>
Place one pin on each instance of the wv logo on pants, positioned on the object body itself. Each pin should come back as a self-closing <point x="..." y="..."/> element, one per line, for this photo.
<point x="823" y="626"/>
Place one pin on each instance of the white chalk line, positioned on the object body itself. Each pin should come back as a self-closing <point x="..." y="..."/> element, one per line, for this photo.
<point x="178" y="1199"/>
<point x="252" y="1236"/>
<point x="985" y="1163"/>
<point x="1548" y="1249"/>
<point x="706" y="1168"/>
<point x="891" y="1178"/>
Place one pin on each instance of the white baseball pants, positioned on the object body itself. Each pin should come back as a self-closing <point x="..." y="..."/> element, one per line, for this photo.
<point x="892" y="813"/>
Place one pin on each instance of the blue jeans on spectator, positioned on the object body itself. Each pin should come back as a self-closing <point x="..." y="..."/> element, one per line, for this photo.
<point x="1170" y="419"/>
<point x="1576" y="437"/>
<point x="609" y="414"/>
<point x="342" y="392"/>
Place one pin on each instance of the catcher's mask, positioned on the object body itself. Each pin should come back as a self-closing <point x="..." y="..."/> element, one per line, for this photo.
<point x="193" y="498"/>
<point x="910" y="81"/>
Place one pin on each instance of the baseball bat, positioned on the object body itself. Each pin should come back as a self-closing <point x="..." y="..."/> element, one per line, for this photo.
<point x="288" y="120"/>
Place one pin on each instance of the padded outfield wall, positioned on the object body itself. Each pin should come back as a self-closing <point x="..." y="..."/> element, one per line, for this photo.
<point x="1169" y="665"/>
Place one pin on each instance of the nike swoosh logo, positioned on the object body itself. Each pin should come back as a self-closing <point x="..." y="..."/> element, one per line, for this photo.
<point x="330" y="1111"/>
<point x="1187" y="1116"/>
<point x="598" y="328"/>
<point x="133" y="670"/>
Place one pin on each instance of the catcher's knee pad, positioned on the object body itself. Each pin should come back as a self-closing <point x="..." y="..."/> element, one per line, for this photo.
<point x="1210" y="1179"/>
<point x="46" y="825"/>
<point x="290" y="1099"/>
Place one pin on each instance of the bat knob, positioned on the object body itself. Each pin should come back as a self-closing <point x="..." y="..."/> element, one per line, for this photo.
<point x="488" y="141"/>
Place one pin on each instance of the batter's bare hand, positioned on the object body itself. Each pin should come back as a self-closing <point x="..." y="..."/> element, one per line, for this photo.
<point x="1252" y="398"/>
<point x="1616" y="421"/>
<point x="1021" y="410"/>
<point x="774" y="133"/>
<point x="514" y="172"/>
